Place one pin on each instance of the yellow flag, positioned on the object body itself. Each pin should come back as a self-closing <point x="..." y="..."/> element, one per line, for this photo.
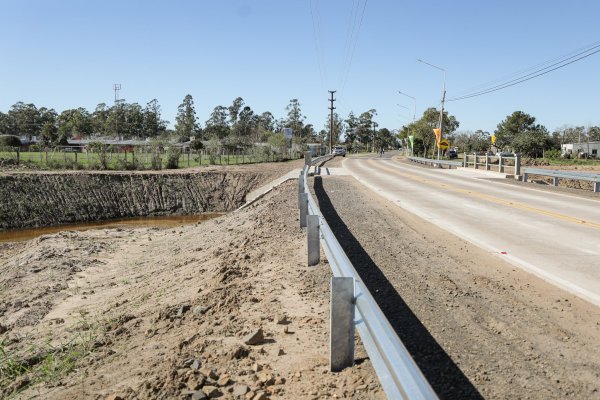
<point x="438" y="135"/>
<point x="493" y="139"/>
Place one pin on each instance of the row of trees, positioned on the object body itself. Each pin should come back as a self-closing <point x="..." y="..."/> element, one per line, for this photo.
<point x="519" y="132"/>
<point x="123" y="120"/>
<point x="233" y="125"/>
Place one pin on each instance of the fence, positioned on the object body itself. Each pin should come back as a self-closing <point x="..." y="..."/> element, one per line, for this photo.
<point x="141" y="157"/>
<point x="353" y="306"/>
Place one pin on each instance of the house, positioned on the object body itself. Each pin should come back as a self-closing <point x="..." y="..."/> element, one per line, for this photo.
<point x="581" y="150"/>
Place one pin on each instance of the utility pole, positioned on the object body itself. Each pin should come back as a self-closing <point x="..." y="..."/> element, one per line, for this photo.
<point x="331" y="108"/>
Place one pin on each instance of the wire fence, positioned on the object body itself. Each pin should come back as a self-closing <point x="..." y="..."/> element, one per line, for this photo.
<point x="139" y="158"/>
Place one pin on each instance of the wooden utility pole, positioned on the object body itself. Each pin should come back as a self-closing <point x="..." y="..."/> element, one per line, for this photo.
<point x="331" y="108"/>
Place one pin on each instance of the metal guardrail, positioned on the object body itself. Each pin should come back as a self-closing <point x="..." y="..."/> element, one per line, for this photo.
<point x="399" y="375"/>
<point x="438" y="163"/>
<point x="558" y="174"/>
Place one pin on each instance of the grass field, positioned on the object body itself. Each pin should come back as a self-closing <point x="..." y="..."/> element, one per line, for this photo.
<point x="129" y="161"/>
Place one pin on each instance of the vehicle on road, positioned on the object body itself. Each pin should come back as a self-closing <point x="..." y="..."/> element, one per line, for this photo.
<point x="339" y="151"/>
<point x="505" y="154"/>
<point x="452" y="154"/>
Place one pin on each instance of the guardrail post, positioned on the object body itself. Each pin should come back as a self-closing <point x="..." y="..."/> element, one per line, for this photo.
<point x="596" y="187"/>
<point x="303" y="209"/>
<point x="313" y="240"/>
<point x="307" y="158"/>
<point x="500" y="166"/>
<point x="525" y="176"/>
<point x="465" y="162"/>
<point x="487" y="162"/>
<point x="475" y="162"/>
<point x="341" y="324"/>
<point x="517" y="164"/>
<point x="555" y="181"/>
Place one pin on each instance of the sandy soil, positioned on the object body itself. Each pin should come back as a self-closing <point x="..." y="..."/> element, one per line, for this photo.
<point x="476" y="326"/>
<point x="154" y="313"/>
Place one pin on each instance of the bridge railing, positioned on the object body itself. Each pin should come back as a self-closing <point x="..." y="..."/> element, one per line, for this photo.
<point x="352" y="306"/>
<point x="489" y="162"/>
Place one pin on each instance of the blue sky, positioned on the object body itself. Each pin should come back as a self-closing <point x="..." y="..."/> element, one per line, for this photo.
<point x="65" y="54"/>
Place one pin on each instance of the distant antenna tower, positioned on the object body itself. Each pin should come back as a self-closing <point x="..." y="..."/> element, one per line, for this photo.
<point x="116" y="88"/>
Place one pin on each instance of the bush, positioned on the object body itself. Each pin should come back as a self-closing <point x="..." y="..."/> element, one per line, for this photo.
<point x="197" y="144"/>
<point x="10" y="141"/>
<point x="553" y="154"/>
<point x="173" y="154"/>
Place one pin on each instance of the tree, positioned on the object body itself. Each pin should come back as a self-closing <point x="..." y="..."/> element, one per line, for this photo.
<point x="246" y="122"/>
<point x="295" y="119"/>
<point x="4" y="123"/>
<point x="186" y="124"/>
<point x="351" y="128"/>
<point x="338" y="128"/>
<point x="99" y="119"/>
<point x="73" y="123"/>
<point x="216" y="125"/>
<point x="422" y="129"/>
<point x="384" y="139"/>
<point x="25" y="120"/>
<point x="234" y="110"/>
<point x="516" y="123"/>
<point x="366" y="125"/>
<point x="532" y="142"/>
<point x="153" y="125"/>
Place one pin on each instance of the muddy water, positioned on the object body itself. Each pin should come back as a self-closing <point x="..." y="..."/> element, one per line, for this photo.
<point x="169" y="221"/>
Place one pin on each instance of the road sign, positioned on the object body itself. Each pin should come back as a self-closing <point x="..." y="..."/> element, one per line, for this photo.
<point x="444" y="144"/>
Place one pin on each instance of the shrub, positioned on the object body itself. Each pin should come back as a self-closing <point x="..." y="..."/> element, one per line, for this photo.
<point x="173" y="154"/>
<point x="10" y="141"/>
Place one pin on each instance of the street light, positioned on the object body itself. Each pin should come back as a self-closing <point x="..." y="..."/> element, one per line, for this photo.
<point x="415" y="103"/>
<point x="443" y="99"/>
<point x="399" y="105"/>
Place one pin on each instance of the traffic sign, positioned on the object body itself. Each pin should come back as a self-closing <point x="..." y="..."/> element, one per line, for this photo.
<point x="444" y="144"/>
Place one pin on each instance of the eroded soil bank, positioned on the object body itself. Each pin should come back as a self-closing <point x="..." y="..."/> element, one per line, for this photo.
<point x="165" y="313"/>
<point x="34" y="199"/>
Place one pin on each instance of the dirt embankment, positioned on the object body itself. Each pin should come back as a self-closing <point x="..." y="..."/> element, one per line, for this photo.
<point x="166" y="313"/>
<point x="29" y="200"/>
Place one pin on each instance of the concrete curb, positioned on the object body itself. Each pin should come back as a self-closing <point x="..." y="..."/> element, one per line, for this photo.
<point x="259" y="193"/>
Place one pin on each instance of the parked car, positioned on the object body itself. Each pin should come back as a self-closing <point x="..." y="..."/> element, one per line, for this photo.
<point x="452" y="154"/>
<point x="505" y="154"/>
<point x="339" y="151"/>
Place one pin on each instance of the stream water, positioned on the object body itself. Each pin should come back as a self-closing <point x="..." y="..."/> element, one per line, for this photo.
<point x="169" y="221"/>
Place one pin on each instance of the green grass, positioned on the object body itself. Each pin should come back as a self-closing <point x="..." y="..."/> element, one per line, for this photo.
<point x="566" y="161"/>
<point x="123" y="161"/>
<point x="35" y="363"/>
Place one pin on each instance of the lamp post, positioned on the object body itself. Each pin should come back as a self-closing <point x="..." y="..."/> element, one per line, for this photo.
<point x="415" y="103"/>
<point x="443" y="99"/>
<point x="408" y="109"/>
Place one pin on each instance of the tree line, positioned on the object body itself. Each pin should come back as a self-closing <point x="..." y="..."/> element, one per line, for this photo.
<point x="234" y="125"/>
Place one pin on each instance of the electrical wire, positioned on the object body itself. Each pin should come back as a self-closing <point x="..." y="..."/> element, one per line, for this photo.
<point x="534" y="67"/>
<point x="532" y="75"/>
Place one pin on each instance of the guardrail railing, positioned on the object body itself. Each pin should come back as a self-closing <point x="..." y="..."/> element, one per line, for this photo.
<point x="558" y="174"/>
<point x="439" y="163"/>
<point x="352" y="306"/>
<point x="488" y="162"/>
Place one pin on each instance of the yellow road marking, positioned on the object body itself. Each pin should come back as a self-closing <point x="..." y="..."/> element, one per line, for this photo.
<point x="493" y="199"/>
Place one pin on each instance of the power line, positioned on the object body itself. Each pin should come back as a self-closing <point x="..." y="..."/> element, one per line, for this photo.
<point x="534" y="74"/>
<point x="563" y="57"/>
<point x="345" y="80"/>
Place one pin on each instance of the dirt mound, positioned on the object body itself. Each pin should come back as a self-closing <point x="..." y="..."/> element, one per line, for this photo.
<point x="224" y="308"/>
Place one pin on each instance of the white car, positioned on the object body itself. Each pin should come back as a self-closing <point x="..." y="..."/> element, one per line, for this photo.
<point x="339" y="151"/>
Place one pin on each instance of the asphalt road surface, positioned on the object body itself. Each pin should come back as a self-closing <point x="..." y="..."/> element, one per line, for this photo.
<point x="552" y="235"/>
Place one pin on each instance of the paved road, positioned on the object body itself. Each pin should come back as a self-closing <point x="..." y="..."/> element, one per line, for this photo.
<point x="552" y="235"/>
